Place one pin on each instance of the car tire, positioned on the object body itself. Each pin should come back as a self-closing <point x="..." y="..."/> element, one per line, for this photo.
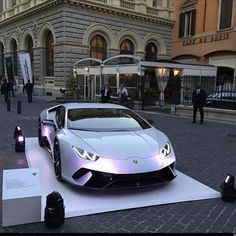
<point x="57" y="160"/>
<point x="40" y="139"/>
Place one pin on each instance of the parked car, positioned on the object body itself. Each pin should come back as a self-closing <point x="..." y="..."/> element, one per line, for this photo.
<point x="222" y="99"/>
<point x="105" y="146"/>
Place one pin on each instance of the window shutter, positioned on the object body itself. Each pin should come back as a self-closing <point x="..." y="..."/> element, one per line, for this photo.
<point x="181" y="25"/>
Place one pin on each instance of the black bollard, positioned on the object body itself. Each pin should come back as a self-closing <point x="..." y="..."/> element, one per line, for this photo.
<point x="18" y="107"/>
<point x="8" y="104"/>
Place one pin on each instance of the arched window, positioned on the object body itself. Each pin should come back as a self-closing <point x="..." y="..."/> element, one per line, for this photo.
<point x="1" y="61"/>
<point x="127" y="47"/>
<point x="49" y="55"/>
<point x="151" y="52"/>
<point x="30" y="51"/>
<point x="14" y="54"/>
<point x="98" y="47"/>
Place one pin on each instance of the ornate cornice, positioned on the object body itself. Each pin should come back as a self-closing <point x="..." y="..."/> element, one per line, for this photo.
<point x="29" y="11"/>
<point x="93" y="6"/>
<point x="123" y="12"/>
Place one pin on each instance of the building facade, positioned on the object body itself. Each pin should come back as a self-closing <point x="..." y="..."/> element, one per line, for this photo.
<point x="205" y="32"/>
<point x="58" y="33"/>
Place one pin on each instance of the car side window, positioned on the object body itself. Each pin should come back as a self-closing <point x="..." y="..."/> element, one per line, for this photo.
<point x="60" y="117"/>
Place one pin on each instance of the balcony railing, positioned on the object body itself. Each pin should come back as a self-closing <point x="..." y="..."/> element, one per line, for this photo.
<point x="127" y="4"/>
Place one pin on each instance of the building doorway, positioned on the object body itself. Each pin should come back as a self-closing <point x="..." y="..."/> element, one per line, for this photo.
<point x="224" y="78"/>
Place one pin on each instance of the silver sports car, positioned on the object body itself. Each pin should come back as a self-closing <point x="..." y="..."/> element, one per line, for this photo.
<point x="105" y="146"/>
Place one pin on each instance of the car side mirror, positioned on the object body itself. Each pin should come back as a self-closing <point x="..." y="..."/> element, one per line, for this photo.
<point x="49" y="123"/>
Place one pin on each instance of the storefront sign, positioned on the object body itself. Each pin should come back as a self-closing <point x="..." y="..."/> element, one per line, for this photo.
<point x="206" y="39"/>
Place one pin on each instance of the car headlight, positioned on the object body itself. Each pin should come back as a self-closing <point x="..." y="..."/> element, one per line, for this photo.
<point x="166" y="150"/>
<point x="86" y="155"/>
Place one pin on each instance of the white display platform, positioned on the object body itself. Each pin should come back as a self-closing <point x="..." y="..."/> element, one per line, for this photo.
<point x="79" y="202"/>
<point x="21" y="197"/>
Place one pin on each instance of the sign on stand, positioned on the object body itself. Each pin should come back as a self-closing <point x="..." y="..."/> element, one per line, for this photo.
<point x="21" y="197"/>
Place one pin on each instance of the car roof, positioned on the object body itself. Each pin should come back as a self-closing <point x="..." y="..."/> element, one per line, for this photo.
<point x="75" y="105"/>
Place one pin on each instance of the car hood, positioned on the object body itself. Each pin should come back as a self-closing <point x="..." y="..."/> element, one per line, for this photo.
<point x="123" y="144"/>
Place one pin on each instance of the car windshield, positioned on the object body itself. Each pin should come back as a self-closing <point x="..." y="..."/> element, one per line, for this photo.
<point x="105" y="119"/>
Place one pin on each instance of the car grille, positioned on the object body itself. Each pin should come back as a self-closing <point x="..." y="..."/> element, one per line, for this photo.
<point x="101" y="180"/>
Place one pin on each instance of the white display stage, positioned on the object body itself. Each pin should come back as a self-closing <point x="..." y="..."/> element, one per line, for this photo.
<point x="80" y="202"/>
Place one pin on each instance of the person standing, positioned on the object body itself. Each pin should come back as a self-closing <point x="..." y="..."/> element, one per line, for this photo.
<point x="11" y="84"/>
<point x="29" y="90"/>
<point x="105" y="94"/>
<point x="123" y="95"/>
<point x="198" y="100"/>
<point x="5" y="89"/>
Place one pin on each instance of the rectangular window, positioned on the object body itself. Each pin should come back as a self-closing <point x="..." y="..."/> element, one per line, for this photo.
<point x="157" y="3"/>
<point x="12" y="3"/>
<point x="226" y="14"/>
<point x="187" y="23"/>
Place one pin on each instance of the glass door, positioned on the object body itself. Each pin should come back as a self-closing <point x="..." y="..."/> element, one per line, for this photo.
<point x="89" y="87"/>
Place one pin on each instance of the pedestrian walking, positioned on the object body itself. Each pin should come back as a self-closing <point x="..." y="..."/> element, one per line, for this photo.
<point x="5" y="89"/>
<point x="123" y="95"/>
<point x="29" y="90"/>
<point x="105" y="94"/>
<point x="11" y="84"/>
<point x="198" y="100"/>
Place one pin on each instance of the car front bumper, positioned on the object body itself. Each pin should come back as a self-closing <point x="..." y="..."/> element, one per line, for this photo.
<point x="101" y="180"/>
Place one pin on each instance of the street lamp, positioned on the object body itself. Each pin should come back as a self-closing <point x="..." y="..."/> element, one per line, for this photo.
<point x="86" y="83"/>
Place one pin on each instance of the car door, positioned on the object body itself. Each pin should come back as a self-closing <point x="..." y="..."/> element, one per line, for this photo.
<point x="59" y="124"/>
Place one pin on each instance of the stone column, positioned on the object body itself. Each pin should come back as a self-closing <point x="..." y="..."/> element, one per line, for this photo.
<point x="7" y="4"/>
<point x="141" y="6"/>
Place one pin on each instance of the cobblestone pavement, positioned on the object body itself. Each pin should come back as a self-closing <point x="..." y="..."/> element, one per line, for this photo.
<point x="204" y="152"/>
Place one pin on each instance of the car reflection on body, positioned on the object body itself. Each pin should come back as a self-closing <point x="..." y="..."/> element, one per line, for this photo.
<point x="105" y="146"/>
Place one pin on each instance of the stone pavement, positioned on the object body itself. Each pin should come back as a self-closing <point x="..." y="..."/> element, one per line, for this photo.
<point x="204" y="152"/>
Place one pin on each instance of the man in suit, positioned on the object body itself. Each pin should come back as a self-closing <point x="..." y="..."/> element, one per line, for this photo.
<point x="29" y="90"/>
<point x="198" y="100"/>
<point x="5" y="89"/>
<point x="105" y="94"/>
<point x="123" y="95"/>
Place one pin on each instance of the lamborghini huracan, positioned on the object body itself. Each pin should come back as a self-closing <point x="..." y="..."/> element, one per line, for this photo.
<point x="105" y="146"/>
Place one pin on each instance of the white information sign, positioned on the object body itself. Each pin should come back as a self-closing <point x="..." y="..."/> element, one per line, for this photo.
<point x="21" y="196"/>
<point x="26" y="67"/>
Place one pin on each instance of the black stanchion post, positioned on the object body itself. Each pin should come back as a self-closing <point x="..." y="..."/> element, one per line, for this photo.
<point x="8" y="104"/>
<point x="18" y="107"/>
